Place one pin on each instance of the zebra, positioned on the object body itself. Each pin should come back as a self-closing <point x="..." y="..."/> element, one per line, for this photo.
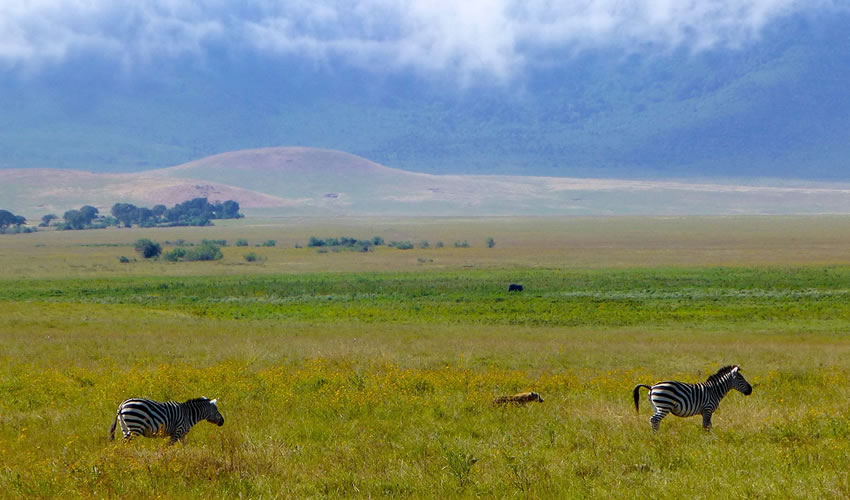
<point x="686" y="400"/>
<point x="155" y="419"/>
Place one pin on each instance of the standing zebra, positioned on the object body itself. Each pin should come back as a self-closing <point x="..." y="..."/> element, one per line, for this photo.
<point x="152" y="418"/>
<point x="687" y="400"/>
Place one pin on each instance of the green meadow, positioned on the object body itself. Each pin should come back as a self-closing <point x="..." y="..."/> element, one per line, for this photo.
<point x="348" y="374"/>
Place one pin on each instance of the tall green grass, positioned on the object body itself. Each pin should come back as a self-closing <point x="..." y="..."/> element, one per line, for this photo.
<point x="356" y="384"/>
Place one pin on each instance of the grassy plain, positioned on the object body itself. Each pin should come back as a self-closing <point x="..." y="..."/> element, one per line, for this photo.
<point x="349" y="374"/>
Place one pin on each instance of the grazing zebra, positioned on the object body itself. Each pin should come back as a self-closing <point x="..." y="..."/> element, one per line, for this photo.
<point x="687" y="400"/>
<point x="518" y="399"/>
<point x="154" y="419"/>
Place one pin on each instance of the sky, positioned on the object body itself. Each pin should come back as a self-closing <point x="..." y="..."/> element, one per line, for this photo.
<point x="469" y="41"/>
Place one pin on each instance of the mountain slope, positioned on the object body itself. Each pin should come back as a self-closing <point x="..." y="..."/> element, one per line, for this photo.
<point x="776" y="108"/>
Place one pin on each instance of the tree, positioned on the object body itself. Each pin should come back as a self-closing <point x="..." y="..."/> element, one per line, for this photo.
<point x="148" y="248"/>
<point x="227" y="210"/>
<point x="47" y="219"/>
<point x="89" y="213"/>
<point x="491" y="242"/>
<point x="125" y="213"/>
<point x="74" y="219"/>
<point x="7" y="218"/>
<point x="145" y="216"/>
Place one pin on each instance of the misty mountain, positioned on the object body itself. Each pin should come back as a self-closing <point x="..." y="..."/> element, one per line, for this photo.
<point x="777" y="107"/>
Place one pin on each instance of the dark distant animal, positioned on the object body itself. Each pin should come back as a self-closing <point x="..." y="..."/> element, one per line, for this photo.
<point x="518" y="399"/>
<point x="513" y="287"/>
<point x="154" y="419"/>
<point x="687" y="400"/>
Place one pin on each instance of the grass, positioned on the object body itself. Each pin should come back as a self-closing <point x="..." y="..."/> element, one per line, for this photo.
<point x="353" y="383"/>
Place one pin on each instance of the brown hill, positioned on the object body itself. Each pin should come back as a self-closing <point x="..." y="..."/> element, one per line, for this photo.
<point x="306" y="181"/>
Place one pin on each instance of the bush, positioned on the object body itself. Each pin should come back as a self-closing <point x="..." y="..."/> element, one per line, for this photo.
<point x="241" y="243"/>
<point x="401" y="245"/>
<point x="123" y="260"/>
<point x="253" y="257"/>
<point x="175" y="255"/>
<point x="491" y="242"/>
<point x="269" y="243"/>
<point x="147" y="248"/>
<point x="205" y="251"/>
<point x="462" y="244"/>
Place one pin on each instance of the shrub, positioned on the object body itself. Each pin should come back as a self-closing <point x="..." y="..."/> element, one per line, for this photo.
<point x="123" y="260"/>
<point x="462" y="244"/>
<point x="205" y="251"/>
<point x="253" y="257"/>
<point x="401" y="245"/>
<point x="241" y="243"/>
<point x="491" y="242"/>
<point x="175" y="255"/>
<point x="147" y="248"/>
<point x="269" y="243"/>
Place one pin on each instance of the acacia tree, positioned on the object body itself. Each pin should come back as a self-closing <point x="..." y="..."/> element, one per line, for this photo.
<point x="47" y="219"/>
<point x="7" y="219"/>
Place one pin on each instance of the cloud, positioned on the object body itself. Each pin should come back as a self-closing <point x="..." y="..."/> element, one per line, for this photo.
<point x="470" y="39"/>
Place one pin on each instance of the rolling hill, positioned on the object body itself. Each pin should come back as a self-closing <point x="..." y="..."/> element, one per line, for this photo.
<point x="307" y="181"/>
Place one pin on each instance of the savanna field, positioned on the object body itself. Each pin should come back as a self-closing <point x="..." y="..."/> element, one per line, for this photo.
<point x="349" y="374"/>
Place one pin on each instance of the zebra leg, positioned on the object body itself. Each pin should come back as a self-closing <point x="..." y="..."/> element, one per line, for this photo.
<point x="655" y="420"/>
<point x="178" y="436"/>
<point x="706" y="419"/>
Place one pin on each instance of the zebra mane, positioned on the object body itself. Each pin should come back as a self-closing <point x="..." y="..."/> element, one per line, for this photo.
<point x="721" y="373"/>
<point x="196" y="400"/>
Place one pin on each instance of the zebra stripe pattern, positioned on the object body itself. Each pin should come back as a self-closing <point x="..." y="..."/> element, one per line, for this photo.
<point x="686" y="400"/>
<point x="152" y="418"/>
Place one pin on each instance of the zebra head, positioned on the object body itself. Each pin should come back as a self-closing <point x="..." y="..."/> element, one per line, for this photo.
<point x="739" y="382"/>
<point x="213" y="415"/>
<point x="536" y="397"/>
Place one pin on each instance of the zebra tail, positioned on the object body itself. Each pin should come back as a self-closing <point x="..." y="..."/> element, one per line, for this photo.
<point x="112" y="429"/>
<point x="636" y="394"/>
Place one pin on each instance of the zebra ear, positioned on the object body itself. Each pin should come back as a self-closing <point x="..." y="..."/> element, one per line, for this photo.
<point x="735" y="369"/>
<point x="213" y="401"/>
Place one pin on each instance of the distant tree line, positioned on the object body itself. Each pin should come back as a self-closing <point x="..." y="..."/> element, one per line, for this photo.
<point x="348" y="243"/>
<point x="87" y="217"/>
<point x="195" y="212"/>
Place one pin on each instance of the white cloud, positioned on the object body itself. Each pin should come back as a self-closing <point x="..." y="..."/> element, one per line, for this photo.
<point x="469" y="39"/>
